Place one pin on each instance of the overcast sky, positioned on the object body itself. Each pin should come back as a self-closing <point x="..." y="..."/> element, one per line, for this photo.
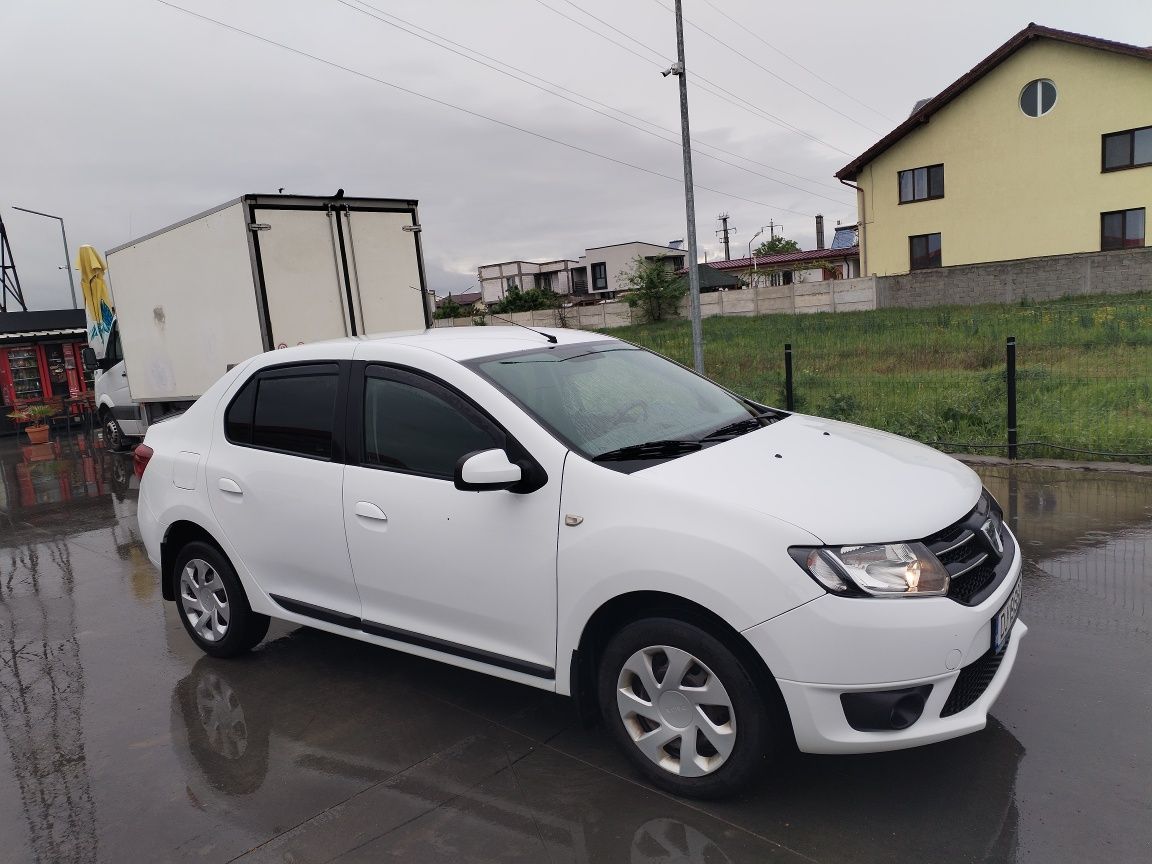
<point x="123" y="116"/>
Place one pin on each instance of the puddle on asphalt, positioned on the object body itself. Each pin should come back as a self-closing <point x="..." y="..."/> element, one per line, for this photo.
<point x="364" y="748"/>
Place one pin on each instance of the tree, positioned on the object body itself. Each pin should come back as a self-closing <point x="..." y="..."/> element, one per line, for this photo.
<point x="777" y="246"/>
<point x="518" y="300"/>
<point x="654" y="289"/>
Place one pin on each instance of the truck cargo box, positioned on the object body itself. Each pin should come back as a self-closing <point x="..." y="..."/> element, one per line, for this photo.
<point x="258" y="273"/>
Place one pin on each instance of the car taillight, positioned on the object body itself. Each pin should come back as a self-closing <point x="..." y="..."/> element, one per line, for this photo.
<point x="140" y="457"/>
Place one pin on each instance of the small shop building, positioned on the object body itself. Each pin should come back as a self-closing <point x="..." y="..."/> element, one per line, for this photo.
<point x="40" y="362"/>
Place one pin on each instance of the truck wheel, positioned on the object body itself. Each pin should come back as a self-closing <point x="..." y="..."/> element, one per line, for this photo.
<point x="685" y="709"/>
<point x="114" y="438"/>
<point x="212" y="604"/>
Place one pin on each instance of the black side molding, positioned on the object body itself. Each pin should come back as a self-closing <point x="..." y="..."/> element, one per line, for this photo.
<point x="489" y="658"/>
<point x="317" y="612"/>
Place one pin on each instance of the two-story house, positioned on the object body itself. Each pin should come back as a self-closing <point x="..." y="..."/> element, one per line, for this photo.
<point x="1043" y="148"/>
<point x="595" y="275"/>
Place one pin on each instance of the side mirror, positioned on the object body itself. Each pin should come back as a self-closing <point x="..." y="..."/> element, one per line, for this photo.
<point x="88" y="357"/>
<point x="486" y="471"/>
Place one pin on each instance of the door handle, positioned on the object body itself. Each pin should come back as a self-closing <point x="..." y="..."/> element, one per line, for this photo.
<point x="226" y="484"/>
<point x="369" y="511"/>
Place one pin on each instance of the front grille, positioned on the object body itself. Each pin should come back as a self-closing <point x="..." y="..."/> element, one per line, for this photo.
<point x="972" y="681"/>
<point x="973" y="564"/>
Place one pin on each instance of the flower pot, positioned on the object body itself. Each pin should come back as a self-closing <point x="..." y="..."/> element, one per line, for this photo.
<point x="38" y="434"/>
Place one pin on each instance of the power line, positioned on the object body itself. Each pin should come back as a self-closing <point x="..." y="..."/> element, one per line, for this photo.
<point x="778" y="77"/>
<point x="695" y="79"/>
<point x="447" y="47"/>
<point x="588" y="98"/>
<point x="334" y="65"/>
<point x="792" y="59"/>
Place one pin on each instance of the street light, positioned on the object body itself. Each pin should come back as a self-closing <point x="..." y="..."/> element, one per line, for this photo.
<point x="754" y="236"/>
<point x="67" y="254"/>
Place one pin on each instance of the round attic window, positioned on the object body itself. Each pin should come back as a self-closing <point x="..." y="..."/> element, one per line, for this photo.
<point x="1038" y="97"/>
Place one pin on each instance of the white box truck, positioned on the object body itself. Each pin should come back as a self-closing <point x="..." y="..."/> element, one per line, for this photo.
<point x="257" y="273"/>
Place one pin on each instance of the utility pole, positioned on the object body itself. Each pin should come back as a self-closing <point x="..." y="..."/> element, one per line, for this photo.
<point x="724" y="232"/>
<point x="689" y="197"/>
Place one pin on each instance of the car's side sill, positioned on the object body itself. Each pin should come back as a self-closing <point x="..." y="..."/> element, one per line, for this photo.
<point x="317" y="612"/>
<point x="489" y="658"/>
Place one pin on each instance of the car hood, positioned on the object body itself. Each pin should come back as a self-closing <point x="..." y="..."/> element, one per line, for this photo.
<point x="845" y="484"/>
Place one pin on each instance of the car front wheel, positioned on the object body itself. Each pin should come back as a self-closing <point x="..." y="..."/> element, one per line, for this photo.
<point x="212" y="604"/>
<point x="686" y="710"/>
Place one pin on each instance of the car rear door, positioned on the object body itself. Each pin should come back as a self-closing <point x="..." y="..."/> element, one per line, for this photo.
<point x="274" y="482"/>
<point x="470" y="574"/>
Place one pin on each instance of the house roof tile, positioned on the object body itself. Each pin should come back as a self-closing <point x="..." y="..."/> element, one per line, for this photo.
<point x="924" y="112"/>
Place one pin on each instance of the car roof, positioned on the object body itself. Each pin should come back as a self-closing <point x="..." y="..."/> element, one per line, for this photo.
<point x="466" y="343"/>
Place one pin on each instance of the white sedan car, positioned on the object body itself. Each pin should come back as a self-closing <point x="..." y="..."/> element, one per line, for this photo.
<point x="718" y="579"/>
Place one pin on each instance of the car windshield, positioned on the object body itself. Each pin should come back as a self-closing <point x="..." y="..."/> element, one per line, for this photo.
<point x="600" y="397"/>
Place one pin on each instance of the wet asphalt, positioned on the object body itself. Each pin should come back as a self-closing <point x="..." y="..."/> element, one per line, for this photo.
<point x="121" y="742"/>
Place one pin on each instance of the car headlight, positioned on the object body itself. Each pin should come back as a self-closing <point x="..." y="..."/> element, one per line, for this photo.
<point x="881" y="570"/>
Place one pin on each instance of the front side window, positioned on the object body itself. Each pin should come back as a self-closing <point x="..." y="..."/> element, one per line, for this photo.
<point x="291" y="410"/>
<point x="924" y="251"/>
<point x="599" y="397"/>
<point x="416" y="426"/>
<point x="1122" y="229"/>
<point x="921" y="184"/>
<point x="112" y="352"/>
<point x="599" y="277"/>
<point x="1131" y="149"/>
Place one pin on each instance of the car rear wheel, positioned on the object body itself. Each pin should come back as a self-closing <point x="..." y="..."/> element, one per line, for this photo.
<point x="212" y="604"/>
<point x="685" y="709"/>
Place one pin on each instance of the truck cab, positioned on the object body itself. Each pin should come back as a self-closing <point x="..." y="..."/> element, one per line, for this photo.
<point x="120" y="417"/>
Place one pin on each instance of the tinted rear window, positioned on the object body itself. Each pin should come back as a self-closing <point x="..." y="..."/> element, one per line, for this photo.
<point x="295" y="410"/>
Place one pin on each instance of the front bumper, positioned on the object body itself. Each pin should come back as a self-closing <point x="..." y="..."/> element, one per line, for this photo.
<point x="837" y="645"/>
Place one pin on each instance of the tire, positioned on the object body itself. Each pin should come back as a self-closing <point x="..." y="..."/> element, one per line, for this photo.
<point x="734" y="727"/>
<point x="206" y="586"/>
<point x="114" y="437"/>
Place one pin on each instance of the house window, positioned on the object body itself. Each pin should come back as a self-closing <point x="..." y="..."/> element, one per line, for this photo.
<point x="600" y="277"/>
<point x="1130" y="149"/>
<point x="924" y="251"/>
<point x="1122" y="229"/>
<point x="1038" y="97"/>
<point x="921" y="184"/>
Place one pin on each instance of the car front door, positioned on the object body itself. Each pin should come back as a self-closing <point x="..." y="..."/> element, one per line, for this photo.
<point x="274" y="478"/>
<point x="466" y="573"/>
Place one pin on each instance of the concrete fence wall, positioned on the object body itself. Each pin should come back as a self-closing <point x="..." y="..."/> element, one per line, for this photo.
<point x="1123" y="271"/>
<point x="841" y="295"/>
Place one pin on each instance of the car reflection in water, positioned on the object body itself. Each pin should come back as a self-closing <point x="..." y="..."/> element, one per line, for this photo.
<point x="398" y="740"/>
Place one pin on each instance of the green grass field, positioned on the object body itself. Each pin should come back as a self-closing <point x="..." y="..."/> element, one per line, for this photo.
<point x="1084" y="370"/>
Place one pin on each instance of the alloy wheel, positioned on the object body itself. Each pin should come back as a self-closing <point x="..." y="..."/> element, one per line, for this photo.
<point x="676" y="711"/>
<point x="204" y="600"/>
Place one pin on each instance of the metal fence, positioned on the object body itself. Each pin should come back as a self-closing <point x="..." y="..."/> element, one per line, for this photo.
<point x="1062" y="380"/>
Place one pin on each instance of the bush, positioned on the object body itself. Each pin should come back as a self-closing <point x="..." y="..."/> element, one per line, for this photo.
<point x="517" y="300"/>
<point x="654" y="289"/>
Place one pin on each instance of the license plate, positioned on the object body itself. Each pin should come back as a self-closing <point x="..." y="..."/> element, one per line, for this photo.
<point x="1006" y="617"/>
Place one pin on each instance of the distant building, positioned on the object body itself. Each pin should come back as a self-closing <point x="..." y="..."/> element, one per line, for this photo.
<point x="464" y="299"/>
<point x="595" y="275"/>
<point x="841" y="260"/>
<point x="1043" y="148"/>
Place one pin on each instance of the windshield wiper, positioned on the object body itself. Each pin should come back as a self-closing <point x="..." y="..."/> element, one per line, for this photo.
<point x="650" y="450"/>
<point x="739" y="427"/>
